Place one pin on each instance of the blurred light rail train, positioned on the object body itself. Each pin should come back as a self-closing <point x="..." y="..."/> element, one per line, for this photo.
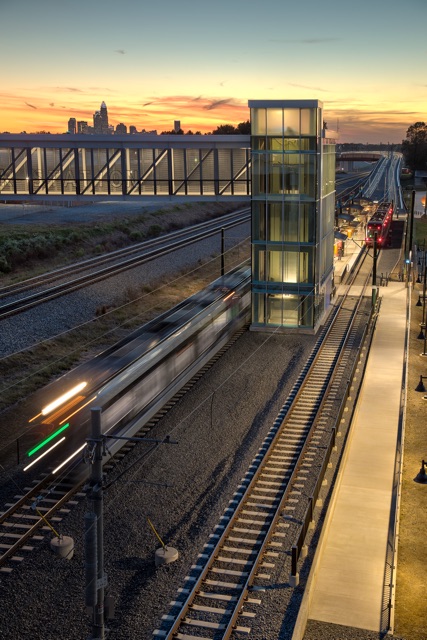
<point x="132" y="380"/>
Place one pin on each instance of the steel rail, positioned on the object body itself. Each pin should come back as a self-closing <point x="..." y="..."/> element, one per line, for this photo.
<point x="62" y="272"/>
<point x="43" y="489"/>
<point x="235" y="603"/>
<point x="40" y="297"/>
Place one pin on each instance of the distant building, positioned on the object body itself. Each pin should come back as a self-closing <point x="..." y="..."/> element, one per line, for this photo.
<point x="72" y="125"/>
<point x="104" y="117"/>
<point x="82" y="126"/>
<point x="132" y="129"/>
<point x="121" y="128"/>
<point x="100" y="120"/>
<point x="177" y="125"/>
<point x="97" y="124"/>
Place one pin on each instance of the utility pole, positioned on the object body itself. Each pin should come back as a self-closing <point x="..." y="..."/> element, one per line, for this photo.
<point x="96" y="580"/>
<point x="222" y="251"/>
<point x="374" y="272"/>
<point x="102" y="605"/>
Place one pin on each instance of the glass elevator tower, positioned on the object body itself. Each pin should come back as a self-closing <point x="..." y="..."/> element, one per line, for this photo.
<point x="293" y="205"/>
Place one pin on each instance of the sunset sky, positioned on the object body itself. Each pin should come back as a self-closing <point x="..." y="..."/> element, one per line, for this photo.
<point x="156" y="61"/>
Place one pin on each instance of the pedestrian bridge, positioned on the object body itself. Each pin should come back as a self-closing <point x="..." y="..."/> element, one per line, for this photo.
<point x="360" y="156"/>
<point x="46" y="167"/>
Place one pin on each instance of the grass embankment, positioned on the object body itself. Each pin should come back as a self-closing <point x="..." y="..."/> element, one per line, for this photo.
<point x="23" y="373"/>
<point x="28" y="250"/>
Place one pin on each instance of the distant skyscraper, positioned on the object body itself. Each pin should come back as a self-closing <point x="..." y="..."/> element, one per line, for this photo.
<point x="176" y="125"/>
<point x="100" y="120"/>
<point x="104" y="117"/>
<point x="132" y="129"/>
<point x="97" y="125"/>
<point x="72" y="125"/>
<point x="121" y="128"/>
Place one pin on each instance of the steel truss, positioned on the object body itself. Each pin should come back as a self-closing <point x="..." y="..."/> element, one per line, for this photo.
<point x="85" y="167"/>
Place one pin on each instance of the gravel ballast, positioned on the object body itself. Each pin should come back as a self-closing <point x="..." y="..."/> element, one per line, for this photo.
<point x="182" y="488"/>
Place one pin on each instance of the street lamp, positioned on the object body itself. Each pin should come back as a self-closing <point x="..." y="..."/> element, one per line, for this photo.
<point x="421" y="335"/>
<point x="420" y="386"/>
<point x="421" y="476"/>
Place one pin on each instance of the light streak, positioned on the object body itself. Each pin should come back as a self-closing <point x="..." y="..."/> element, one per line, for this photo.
<point x="69" y="458"/>
<point x="48" y="439"/>
<point x="43" y="454"/>
<point x="66" y="396"/>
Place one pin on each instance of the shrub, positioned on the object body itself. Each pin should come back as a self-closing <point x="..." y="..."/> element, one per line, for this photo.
<point x="136" y="236"/>
<point x="5" y="267"/>
<point x="154" y="230"/>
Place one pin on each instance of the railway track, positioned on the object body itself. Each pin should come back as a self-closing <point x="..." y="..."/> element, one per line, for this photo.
<point x="272" y="509"/>
<point x="40" y="508"/>
<point x="97" y="269"/>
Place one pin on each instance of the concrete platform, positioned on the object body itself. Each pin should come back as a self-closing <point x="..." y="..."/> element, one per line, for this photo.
<point x="347" y="587"/>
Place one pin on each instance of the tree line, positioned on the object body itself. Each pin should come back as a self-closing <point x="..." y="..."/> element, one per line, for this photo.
<point x="243" y="128"/>
<point x="414" y="147"/>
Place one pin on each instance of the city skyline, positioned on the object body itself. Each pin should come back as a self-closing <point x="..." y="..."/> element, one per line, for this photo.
<point x="156" y="64"/>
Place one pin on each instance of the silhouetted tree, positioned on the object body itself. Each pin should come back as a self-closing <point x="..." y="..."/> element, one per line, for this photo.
<point x="224" y="130"/>
<point x="244" y="128"/>
<point x="180" y="132"/>
<point x="414" y="148"/>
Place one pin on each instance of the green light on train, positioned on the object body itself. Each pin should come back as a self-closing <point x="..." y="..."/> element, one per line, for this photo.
<point x="51" y="437"/>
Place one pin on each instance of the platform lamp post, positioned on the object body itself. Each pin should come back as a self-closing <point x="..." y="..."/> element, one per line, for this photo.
<point x="421" y="335"/>
<point x="408" y="246"/>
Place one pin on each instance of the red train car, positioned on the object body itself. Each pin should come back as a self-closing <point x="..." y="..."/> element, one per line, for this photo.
<point x="379" y="224"/>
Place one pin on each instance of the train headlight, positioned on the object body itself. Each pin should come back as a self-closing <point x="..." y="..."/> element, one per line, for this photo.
<point x="66" y="396"/>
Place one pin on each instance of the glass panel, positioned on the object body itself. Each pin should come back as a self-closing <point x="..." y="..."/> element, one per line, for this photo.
<point x="291" y="169"/>
<point x="282" y="266"/>
<point x="274" y="309"/>
<point x="258" y="310"/>
<point x="258" y="220"/>
<point x="275" y="176"/>
<point x="292" y="265"/>
<point x="291" y="222"/>
<point x="258" y="263"/>
<point x="258" y="117"/>
<point x="282" y="309"/>
<point x="275" y="144"/>
<point x="328" y="185"/>
<point x="308" y="122"/>
<point x="308" y="175"/>
<point x="291" y="122"/>
<point x="274" y="122"/>
<point x="290" y="310"/>
<point x="258" y="143"/>
<point x="306" y="311"/>
<point x="258" y="174"/>
<point x="307" y="220"/>
<point x="292" y="144"/>
<point x="288" y="222"/>
<point x="275" y="222"/>
<point x="308" y="144"/>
